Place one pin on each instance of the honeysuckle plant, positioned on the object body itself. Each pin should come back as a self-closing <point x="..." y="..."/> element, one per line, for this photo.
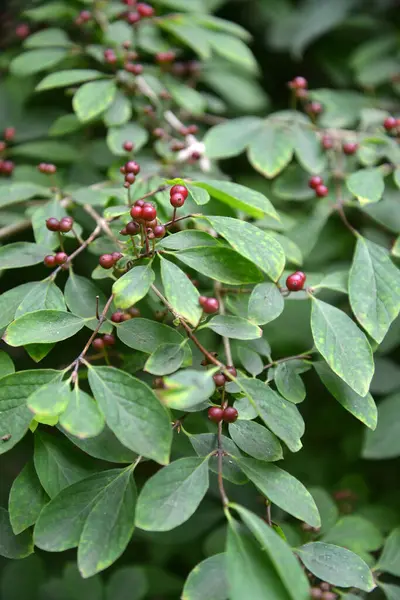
<point x="145" y="389"/>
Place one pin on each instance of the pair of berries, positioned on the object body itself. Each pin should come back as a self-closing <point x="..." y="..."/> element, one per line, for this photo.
<point x="165" y="57"/>
<point x="134" y="68"/>
<point x="143" y="211"/>
<point x="209" y="305"/>
<point x="47" y="168"/>
<point x="130" y="169"/>
<point x="316" y="183"/>
<point x="100" y="343"/>
<point x="120" y="317"/>
<point x="220" y="378"/>
<point x="178" y="195"/>
<point x="110" y="57"/>
<point x="295" y="282"/>
<point x="217" y="414"/>
<point x="59" y="258"/>
<point x="64" y="225"/>
<point x="107" y="261"/>
<point x="143" y="10"/>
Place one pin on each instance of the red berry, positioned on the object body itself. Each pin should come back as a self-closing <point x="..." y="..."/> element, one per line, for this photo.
<point x="3" y="146"/>
<point x="389" y="123"/>
<point x="61" y="258"/>
<point x="140" y="202"/>
<point x="130" y="178"/>
<point x="301" y="94"/>
<point x="299" y="83"/>
<point x="106" y="261"/>
<point x="85" y="15"/>
<point x="133" y="17"/>
<point x="314" y="108"/>
<point x="22" y="31"/>
<point x="116" y="317"/>
<point x="9" y="133"/>
<point x="230" y="414"/>
<point x="327" y="142"/>
<point x="219" y="379"/>
<point x="151" y="224"/>
<point x="98" y="343"/>
<point x="159" y="231"/>
<point x="165" y="57"/>
<point x="350" y="148"/>
<point x="136" y="212"/>
<point x="109" y="339"/>
<point x="296" y="281"/>
<point x="145" y="10"/>
<point x="211" y="306"/>
<point x="149" y="212"/>
<point x="110" y="56"/>
<point x="50" y="261"/>
<point x="159" y="132"/>
<point x="132" y="228"/>
<point x="315" y="181"/>
<point x="135" y="69"/>
<point x="116" y="256"/>
<point x="215" y="414"/>
<point x="66" y="224"/>
<point x="7" y="167"/>
<point x="177" y="200"/>
<point x="202" y="300"/>
<point x="192" y="129"/>
<point x="179" y="189"/>
<point x="53" y="224"/>
<point x="321" y="191"/>
<point x="128" y="146"/>
<point x="232" y="371"/>
<point x="134" y="312"/>
<point x="316" y="592"/>
<point x="132" y="167"/>
<point x="122" y="170"/>
<point x="124" y="231"/>
<point x="195" y="155"/>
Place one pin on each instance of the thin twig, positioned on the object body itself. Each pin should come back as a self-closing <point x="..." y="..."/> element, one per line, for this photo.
<point x="220" y="454"/>
<point x="305" y="355"/>
<point x="191" y="216"/>
<point x="102" y="223"/>
<point x="81" y="248"/>
<point x="161" y="188"/>
<point x="226" y="341"/>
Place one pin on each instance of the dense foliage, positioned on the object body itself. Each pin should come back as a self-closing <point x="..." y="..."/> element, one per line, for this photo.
<point x="192" y="282"/>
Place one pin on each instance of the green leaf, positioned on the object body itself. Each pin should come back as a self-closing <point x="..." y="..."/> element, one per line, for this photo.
<point x="187" y="239"/>
<point x="239" y="197"/>
<point x="80" y="296"/>
<point x="355" y="533"/>
<point x="22" y="254"/>
<point x="389" y="560"/>
<point x="392" y="592"/>
<point x="65" y="124"/>
<point x="337" y="281"/>
<point x="104" y="446"/>
<point x="221" y="264"/>
<point x="133" y="286"/>
<point x="251" y="360"/>
<point x="234" y="327"/>
<point x="43" y="295"/>
<point x="207" y="580"/>
<point x="51" y="37"/>
<point x="293" y="185"/>
<point x="282" y="489"/>
<point x="199" y="195"/>
<point x="146" y="335"/>
<point x="13" y="546"/>
<point x="58" y="463"/>
<point x="180" y="292"/>
<point x="23" y="578"/>
<point x="231" y="137"/>
<point x="167" y="359"/>
<point x="289" y="383"/>
<point x="282" y="558"/>
<point x="47" y="150"/>
<point x="279" y="415"/>
<point x="132" y="412"/>
<point x="109" y="526"/>
<point x="362" y="407"/>
<point x="6" y="364"/>
<point x="186" y="97"/>
<point x="205" y="444"/>
<point x="50" y="11"/>
<point x="27" y="499"/>
<point x="234" y="50"/>
<point x="189" y="34"/>
<point x="82" y="417"/>
<point x="10" y="300"/>
<point x="252" y="243"/>
<point x="44" y="327"/>
<point x="187" y="389"/>
<point x="50" y="400"/>
<point x="68" y="77"/>
<point x="133" y="579"/>
<point x="20" y="191"/>
<point x="374" y="288"/>
<point x="327" y="508"/>
<point x="367" y="185"/>
<point x="384" y="442"/>
<point x="92" y="99"/>
<point x="172" y="495"/>
<point x="119" y="112"/>
<point x="255" y="440"/>
<point x="15" y="416"/>
<point x="61" y="522"/>
<point x="271" y="148"/>
<point x="336" y="565"/>
<point x="35" y="61"/>
<point x="308" y="149"/>
<point x="131" y="132"/>
<point x="344" y="347"/>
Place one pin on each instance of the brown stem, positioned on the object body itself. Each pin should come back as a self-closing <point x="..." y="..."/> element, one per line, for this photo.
<point x="81" y="248"/>
<point x="160" y="188"/>
<point x="194" y="215"/>
<point x="282" y="360"/>
<point x="102" y="223"/>
<point x="173" y="221"/>
<point x="220" y="454"/>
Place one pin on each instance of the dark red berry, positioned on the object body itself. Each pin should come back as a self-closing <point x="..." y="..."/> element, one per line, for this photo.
<point x="130" y="178"/>
<point x="136" y="212"/>
<point x="321" y="191"/>
<point x="230" y="414"/>
<point x="50" y="261"/>
<point x="106" y="261"/>
<point x="116" y="256"/>
<point x="165" y="57"/>
<point x="116" y="317"/>
<point x="53" y="224"/>
<point x="389" y="123"/>
<point x="296" y="281"/>
<point x="132" y="167"/>
<point x="110" y="56"/>
<point x="122" y="170"/>
<point x="66" y="224"/>
<point x="98" y="343"/>
<point x="232" y="371"/>
<point x="195" y="155"/>
<point x="177" y="200"/>
<point x="159" y="231"/>
<point x="134" y="312"/>
<point x="22" y="31"/>
<point x="215" y="414"/>
<point x="124" y="231"/>
<point x="135" y="69"/>
<point x="145" y="10"/>
<point x="132" y="228"/>
<point x="9" y="134"/>
<point x="149" y="212"/>
<point x="219" y="379"/>
<point x="179" y="189"/>
<point x="7" y="167"/>
<point x="327" y="142"/>
<point x="109" y="339"/>
<point x="158" y="383"/>
<point x="128" y="146"/>
<point x="133" y="17"/>
<point x="51" y="169"/>
<point x="61" y="258"/>
<point x="315" y="181"/>
<point x="211" y="306"/>
<point x="140" y="202"/>
<point x="350" y="148"/>
<point x="202" y="300"/>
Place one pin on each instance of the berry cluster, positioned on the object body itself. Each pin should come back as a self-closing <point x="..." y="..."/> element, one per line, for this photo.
<point x="323" y="592"/>
<point x="130" y="169"/>
<point x="64" y="225"/>
<point x="178" y="195"/>
<point x="316" y="183"/>
<point x="209" y="305"/>
<point x="99" y="343"/>
<point x="120" y="317"/>
<point x="295" y="282"/>
<point x="217" y="414"/>
<point x="142" y="11"/>
<point x="47" y="168"/>
<point x="107" y="261"/>
<point x="59" y="258"/>
<point x="392" y="125"/>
